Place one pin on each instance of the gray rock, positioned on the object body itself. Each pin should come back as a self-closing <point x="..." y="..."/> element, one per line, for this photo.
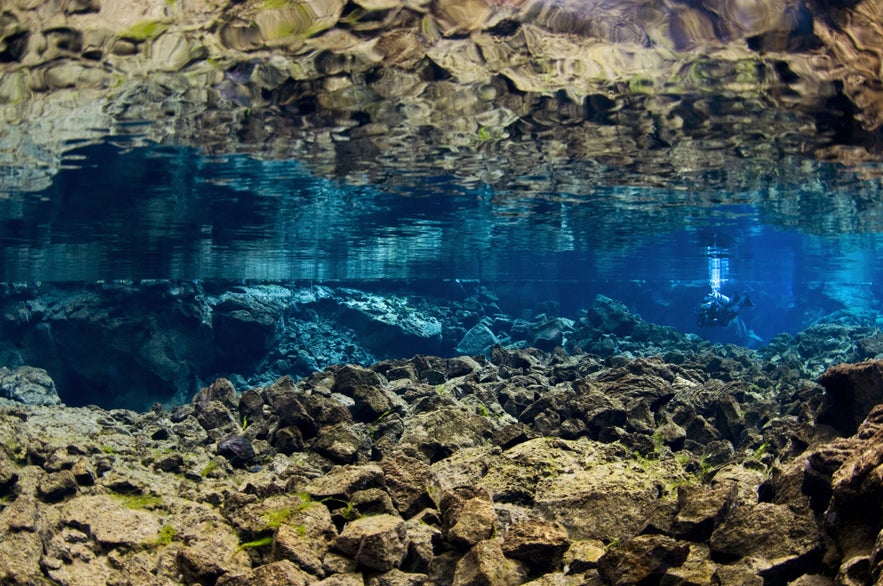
<point x="28" y="385"/>
<point x="237" y="449"/>
<point x="222" y="390"/>
<point x="477" y="340"/>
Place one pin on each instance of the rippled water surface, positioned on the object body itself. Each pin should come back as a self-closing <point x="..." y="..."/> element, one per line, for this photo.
<point x="804" y="241"/>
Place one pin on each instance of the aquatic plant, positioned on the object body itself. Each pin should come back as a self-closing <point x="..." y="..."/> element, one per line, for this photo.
<point x="144" y="30"/>
<point x="260" y="542"/>
<point x="208" y="468"/>
<point x="138" y="501"/>
<point x="166" y="535"/>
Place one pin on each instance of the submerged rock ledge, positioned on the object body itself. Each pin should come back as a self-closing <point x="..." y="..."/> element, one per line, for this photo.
<point x="528" y="467"/>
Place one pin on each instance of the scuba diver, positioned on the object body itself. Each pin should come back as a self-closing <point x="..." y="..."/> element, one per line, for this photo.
<point x="717" y="309"/>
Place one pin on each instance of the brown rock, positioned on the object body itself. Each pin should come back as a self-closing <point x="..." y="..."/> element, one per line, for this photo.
<point x="853" y="515"/>
<point x="375" y="543"/>
<point x="373" y="402"/>
<point x="304" y="538"/>
<point x="701" y="509"/>
<point x="211" y="550"/>
<point x="20" y="553"/>
<point x="583" y="554"/>
<point x="539" y="544"/>
<point x="57" y="485"/>
<point x="213" y="415"/>
<point x="486" y="565"/>
<point x="110" y="523"/>
<point x="396" y="577"/>
<point x="422" y="541"/>
<point x="344" y="579"/>
<point x="343" y="481"/>
<point x="642" y="559"/>
<point x="281" y="573"/>
<point x="344" y="443"/>
<point x="352" y="377"/>
<point x="788" y="542"/>
<point x="851" y="391"/>
<point x="468" y="515"/>
<point x="407" y="480"/>
<point x="20" y="515"/>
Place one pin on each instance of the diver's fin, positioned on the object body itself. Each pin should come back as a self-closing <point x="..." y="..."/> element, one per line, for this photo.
<point x="755" y="337"/>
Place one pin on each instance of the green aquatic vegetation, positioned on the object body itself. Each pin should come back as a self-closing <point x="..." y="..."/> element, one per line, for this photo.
<point x="705" y="468"/>
<point x="208" y="468"/>
<point x="348" y="510"/>
<point x="275" y="4"/>
<point x="143" y="30"/>
<point x="260" y="542"/>
<point x="166" y="535"/>
<point x="658" y="441"/>
<point x="277" y="517"/>
<point x="757" y="454"/>
<point x="682" y="458"/>
<point x="16" y="451"/>
<point x="107" y="449"/>
<point x="138" y="501"/>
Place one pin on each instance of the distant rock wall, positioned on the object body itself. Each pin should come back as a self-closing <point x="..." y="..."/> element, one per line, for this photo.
<point x="130" y="345"/>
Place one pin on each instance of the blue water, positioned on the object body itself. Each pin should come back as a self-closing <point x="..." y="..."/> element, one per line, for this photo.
<point x="165" y="212"/>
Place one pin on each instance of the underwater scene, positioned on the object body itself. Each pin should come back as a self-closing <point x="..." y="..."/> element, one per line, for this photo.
<point x="449" y="292"/>
<point x="149" y="254"/>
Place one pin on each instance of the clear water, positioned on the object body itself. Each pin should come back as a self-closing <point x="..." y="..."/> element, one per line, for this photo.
<point x="165" y="212"/>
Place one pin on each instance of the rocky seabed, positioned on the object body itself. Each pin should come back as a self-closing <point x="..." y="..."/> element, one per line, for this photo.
<point x="524" y="467"/>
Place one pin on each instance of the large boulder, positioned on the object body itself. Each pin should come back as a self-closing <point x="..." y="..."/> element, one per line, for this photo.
<point x="851" y="391"/>
<point x="28" y="385"/>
